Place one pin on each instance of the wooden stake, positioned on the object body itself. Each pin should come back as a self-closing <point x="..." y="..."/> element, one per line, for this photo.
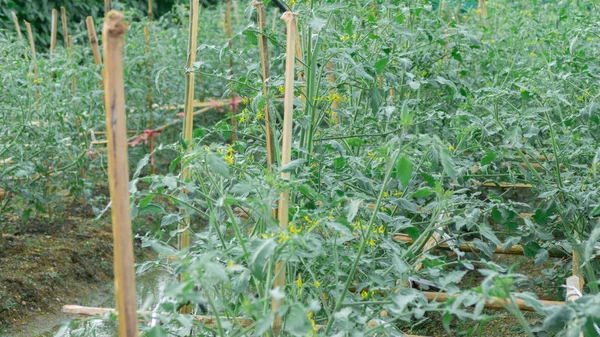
<point x="150" y="13"/>
<point x="188" y="123"/>
<point x="63" y="16"/>
<point x="149" y="83"/>
<point x="71" y="51"/>
<point x="18" y="28"/>
<point x="229" y="37"/>
<point x="118" y="173"/>
<point x="53" y="30"/>
<point x="30" y="37"/>
<point x="482" y="9"/>
<point x="492" y="303"/>
<point x="107" y="6"/>
<point x="89" y="23"/>
<point x="576" y="269"/>
<point x="286" y="151"/>
<point x="263" y="43"/>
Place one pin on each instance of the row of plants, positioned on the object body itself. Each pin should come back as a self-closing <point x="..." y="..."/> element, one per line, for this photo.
<point x="403" y="112"/>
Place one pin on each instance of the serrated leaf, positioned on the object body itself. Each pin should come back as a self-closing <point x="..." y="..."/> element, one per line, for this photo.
<point x="488" y="158"/>
<point x="380" y="65"/>
<point x="353" y="209"/>
<point x="296" y="322"/>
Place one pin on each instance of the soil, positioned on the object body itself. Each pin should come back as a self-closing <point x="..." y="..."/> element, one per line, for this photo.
<point x="52" y="262"/>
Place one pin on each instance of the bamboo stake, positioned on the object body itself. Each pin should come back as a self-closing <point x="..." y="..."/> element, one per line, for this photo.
<point x="149" y="83"/>
<point x="576" y="269"/>
<point x="264" y="53"/>
<point x="31" y="41"/>
<point x="89" y="23"/>
<point x="469" y="248"/>
<point x="482" y="9"/>
<point x="53" y="30"/>
<point x="18" y="28"/>
<point x="63" y="16"/>
<point x="229" y="37"/>
<point x="118" y="171"/>
<point x="573" y="288"/>
<point x="492" y="303"/>
<point x="150" y="12"/>
<point x="286" y="151"/>
<point x="184" y="238"/>
<point x="71" y="51"/>
<point x="107" y="6"/>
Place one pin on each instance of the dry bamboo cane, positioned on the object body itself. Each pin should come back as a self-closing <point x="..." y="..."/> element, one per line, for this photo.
<point x="286" y="152"/>
<point x="150" y="12"/>
<point x="53" y="30"/>
<point x="576" y="268"/>
<point x="107" y="6"/>
<point x="18" y="28"/>
<point x="33" y="57"/>
<point x="71" y="51"/>
<point x="149" y="83"/>
<point x="89" y="23"/>
<point x="229" y="37"/>
<point x="118" y="173"/>
<point x="264" y="53"/>
<point x="63" y="16"/>
<point x="188" y="123"/>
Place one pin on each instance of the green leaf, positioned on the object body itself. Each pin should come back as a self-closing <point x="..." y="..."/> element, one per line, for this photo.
<point x="163" y="249"/>
<point x="541" y="257"/>
<point x="169" y="182"/>
<point x="447" y="163"/>
<point x="489" y="157"/>
<point x="380" y="65"/>
<point x="170" y="219"/>
<point x="404" y="169"/>
<point x="422" y="193"/>
<point x="296" y="322"/>
<point x="353" y="209"/>
<point x="260" y="257"/>
<point x="251" y="37"/>
<point x="293" y="165"/>
<point x="218" y="165"/>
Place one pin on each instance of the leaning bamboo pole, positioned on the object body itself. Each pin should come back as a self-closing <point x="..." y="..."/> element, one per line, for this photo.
<point x="91" y="30"/>
<point x="63" y="16"/>
<point x="230" y="42"/>
<point x="149" y="84"/>
<point x="286" y="152"/>
<point x="470" y="248"/>
<point x="188" y="123"/>
<point x="118" y="173"/>
<point x="18" y="28"/>
<point x="492" y="303"/>
<point x="107" y="6"/>
<point x="53" y="30"/>
<point x="31" y="41"/>
<point x="264" y="53"/>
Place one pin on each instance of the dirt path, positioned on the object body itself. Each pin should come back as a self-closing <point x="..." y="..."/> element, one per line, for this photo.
<point x="49" y="263"/>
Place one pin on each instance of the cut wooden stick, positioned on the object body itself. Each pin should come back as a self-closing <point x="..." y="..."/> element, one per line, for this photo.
<point x="264" y="53"/>
<point x="469" y="248"/>
<point x="149" y="84"/>
<point x="230" y="42"/>
<point x="18" y="28"/>
<point x="63" y="16"/>
<point x="72" y="54"/>
<point x="493" y="303"/>
<point x="118" y="173"/>
<point x="53" y="30"/>
<point x="32" y="46"/>
<point x="188" y="123"/>
<point x="91" y="30"/>
<point x="286" y="151"/>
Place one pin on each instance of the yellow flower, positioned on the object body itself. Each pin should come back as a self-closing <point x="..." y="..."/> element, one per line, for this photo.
<point x="242" y="120"/>
<point x="371" y="154"/>
<point x="364" y="294"/>
<point x="317" y="284"/>
<point x="207" y="148"/>
<point x="345" y="37"/>
<point x="451" y="148"/>
<point x="335" y="97"/>
<point x="245" y="100"/>
<point x="590" y="39"/>
<point x="283" y="237"/>
<point x="260" y="115"/>
<point x="229" y="149"/>
<point x="521" y="90"/>
<point x="292" y="3"/>
<point x="299" y="282"/>
<point x="532" y="54"/>
<point x="230" y="264"/>
<point x="397" y="193"/>
<point x="385" y="194"/>
<point x="295" y="230"/>
<point x="371" y="242"/>
<point x="229" y="159"/>
<point x="383" y="209"/>
<point x="354" y="36"/>
<point x="281" y="89"/>
<point x="381" y="229"/>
